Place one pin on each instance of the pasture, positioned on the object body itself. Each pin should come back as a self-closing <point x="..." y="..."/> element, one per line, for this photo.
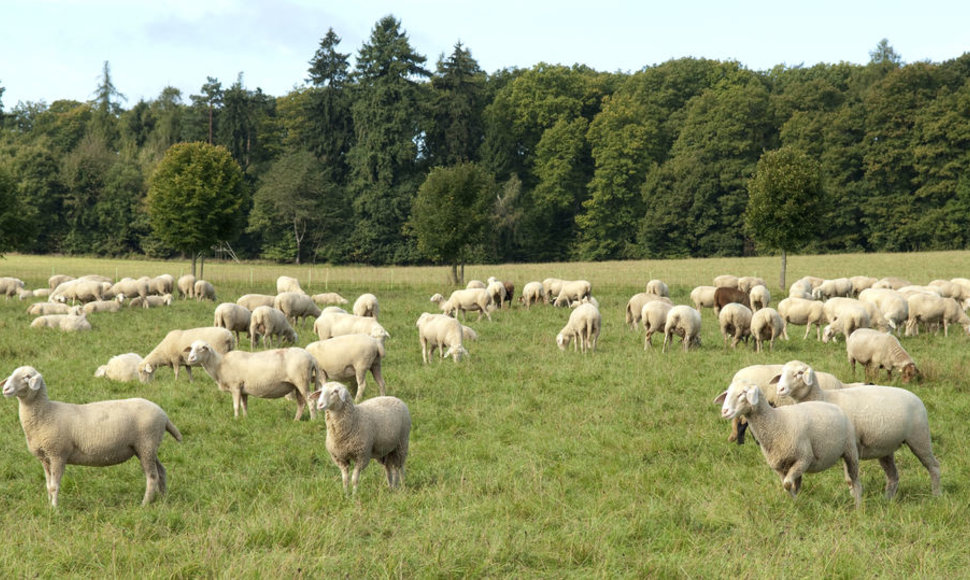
<point x="525" y="461"/>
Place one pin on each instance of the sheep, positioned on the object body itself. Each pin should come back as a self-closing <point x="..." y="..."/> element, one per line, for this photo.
<point x="442" y="332"/>
<point x="475" y="284"/>
<point x="83" y="291"/>
<point x="658" y="288"/>
<point x="703" y="297"/>
<point x="496" y="291"/>
<point x="654" y="318"/>
<point x="378" y="428"/>
<point x="845" y="315"/>
<point x="297" y="307"/>
<point x="796" y="439"/>
<point x="760" y="297"/>
<point x="232" y="317"/>
<point x="204" y="290"/>
<point x="746" y="283"/>
<point x="288" y="284"/>
<point x="24" y="294"/>
<point x="573" y="290"/>
<point x="253" y="301"/>
<point x="509" y="292"/>
<point x="268" y="374"/>
<point x="46" y="308"/>
<point x="735" y="323"/>
<point x="57" y="279"/>
<point x="724" y="295"/>
<point x="634" y="306"/>
<point x="102" y="306"/>
<point x="926" y="309"/>
<point x="130" y="288"/>
<point x="122" y="368"/>
<point x="95" y="434"/>
<point x="366" y="305"/>
<point x="532" y="293"/>
<point x="685" y="322"/>
<point x="161" y="285"/>
<point x="169" y="352"/>
<point x="63" y="322"/>
<point x="891" y="282"/>
<point x="469" y="299"/>
<point x="552" y="287"/>
<point x="350" y="357"/>
<point x="802" y="311"/>
<point x="186" y="286"/>
<point x="328" y="298"/>
<point x="860" y="283"/>
<point x="583" y="325"/>
<point x="893" y="305"/>
<point x="766" y="324"/>
<point x="953" y="314"/>
<point x="330" y="324"/>
<point x="801" y="289"/>
<point x="884" y="418"/>
<point x="726" y="281"/>
<point x="839" y="287"/>
<point x="268" y="323"/>
<point x="876" y="350"/>
<point x="151" y="301"/>
<point x="9" y="286"/>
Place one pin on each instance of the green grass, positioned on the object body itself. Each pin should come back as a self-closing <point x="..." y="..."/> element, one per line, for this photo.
<point x="524" y="461"/>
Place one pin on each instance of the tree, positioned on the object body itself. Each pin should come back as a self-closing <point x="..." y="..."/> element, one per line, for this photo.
<point x="455" y="128"/>
<point x="195" y="198"/>
<point x="450" y="214"/>
<point x="209" y="100"/>
<point x="14" y="227"/>
<point x="328" y="68"/>
<point x="785" y="200"/>
<point x="106" y="107"/>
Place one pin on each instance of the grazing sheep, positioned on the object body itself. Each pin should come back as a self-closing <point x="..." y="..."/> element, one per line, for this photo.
<point x="330" y="324"/>
<point x="58" y="279"/>
<point x="735" y="323"/>
<point x="802" y="311"/>
<point x="169" y="352"/>
<point x="860" y="283"/>
<point x="509" y="292"/>
<point x="684" y="322"/>
<point x="726" y="281"/>
<point x="130" y="288"/>
<point x="766" y="324"/>
<point x="760" y="297"/>
<point x="954" y="314"/>
<point x="475" y="284"/>
<point x="583" y="325"/>
<point x="297" y="307"/>
<point x="801" y="289"/>
<point x="204" y="290"/>
<point x="878" y="350"/>
<point x="162" y="284"/>
<point x="9" y="286"/>
<point x="746" y="283"/>
<point x="366" y="305"/>
<point x="893" y="305"/>
<point x="532" y="293"/>
<point x="46" y="308"/>
<point x="884" y="418"/>
<point x="288" y="284"/>
<point x="796" y="439"/>
<point x="96" y="434"/>
<point x="350" y="357"/>
<point x="891" y="282"/>
<point x="926" y="309"/>
<point x="469" y="299"/>
<point x="703" y="297"/>
<point x="63" y="322"/>
<point x="552" y="286"/>
<point x="186" y="286"/>
<point x="377" y="428"/>
<point x="573" y="291"/>
<point x="253" y="301"/>
<point x="496" y="290"/>
<point x="269" y="323"/>
<point x="329" y="298"/>
<point x="658" y="288"/>
<point x="839" y="287"/>
<point x="122" y="368"/>
<point x="232" y="317"/>
<point x="442" y="332"/>
<point x="845" y="315"/>
<point x="151" y="301"/>
<point x="654" y="318"/>
<point x="268" y="374"/>
<point x="634" y="306"/>
<point x="724" y="295"/>
<point x="80" y="290"/>
<point x="102" y="306"/>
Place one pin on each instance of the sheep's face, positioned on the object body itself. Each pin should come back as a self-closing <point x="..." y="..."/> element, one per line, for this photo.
<point x="737" y="400"/>
<point x="197" y="353"/>
<point x="562" y="340"/>
<point x="910" y="372"/>
<point x="22" y="381"/>
<point x="333" y="396"/>
<point x="146" y="372"/>
<point x="794" y="378"/>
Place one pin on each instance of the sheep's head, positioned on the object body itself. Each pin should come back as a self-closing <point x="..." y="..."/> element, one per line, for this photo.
<point x="563" y="339"/>
<point x="738" y="400"/>
<point x="830" y="333"/>
<point x="910" y="372"/>
<point x="146" y="372"/>
<point x="794" y="378"/>
<point x="333" y="396"/>
<point x="197" y="353"/>
<point x="22" y="382"/>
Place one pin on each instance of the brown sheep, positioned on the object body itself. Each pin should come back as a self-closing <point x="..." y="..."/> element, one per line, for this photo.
<point x="723" y="296"/>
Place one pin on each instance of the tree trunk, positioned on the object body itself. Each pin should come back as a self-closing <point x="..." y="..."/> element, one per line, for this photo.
<point x="784" y="266"/>
<point x="453" y="273"/>
<point x="201" y="265"/>
<point x="194" y="258"/>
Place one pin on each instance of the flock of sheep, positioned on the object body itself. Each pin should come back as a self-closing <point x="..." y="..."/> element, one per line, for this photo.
<point x="832" y="420"/>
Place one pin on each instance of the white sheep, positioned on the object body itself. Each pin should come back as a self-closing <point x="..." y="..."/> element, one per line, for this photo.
<point x="122" y="368"/>
<point x="96" y="434"/>
<point x="891" y="282"/>
<point x="366" y="305"/>
<point x="925" y="309"/>
<point x="328" y="298"/>
<point x="350" y="357"/>
<point x="735" y="322"/>
<point x="24" y="294"/>
<point x="685" y="322"/>
<point x="297" y="307"/>
<point x="838" y="287"/>
<point x="703" y="297"/>
<point x="496" y="291"/>
<point x="726" y="281"/>
<point x="584" y="326"/>
<point x="63" y="322"/>
<point x="467" y="300"/>
<point x="954" y="314"/>
<point x="268" y="374"/>
<point x="102" y="306"/>
<point x="151" y="301"/>
<point x="573" y="291"/>
<point x="878" y="350"/>
<point x="45" y="308"/>
<point x="802" y="311"/>
<point x="845" y="315"/>
<point x="552" y="287"/>
<point x="232" y="317"/>
<point x="657" y="287"/>
<point x="746" y="283"/>
<point x="288" y="284"/>
<point x="532" y="293"/>
<point x="129" y="288"/>
<point x="766" y="324"/>
<point x="634" y="306"/>
<point x="268" y="323"/>
<point x="801" y="289"/>
<point x="442" y="332"/>
<point x="9" y="286"/>
<point x="377" y="428"/>
<point x="186" y="286"/>
<point x="884" y="418"/>
<point x="332" y="323"/>
<point x="169" y="352"/>
<point x="796" y="439"/>
<point x="204" y="290"/>
<point x="860" y="283"/>
<point x="476" y="284"/>
<point x="162" y="284"/>
<point x="80" y="290"/>
<point x="253" y="301"/>
<point x="57" y="279"/>
<point x="653" y="315"/>
<point x="893" y="305"/>
<point x="760" y="297"/>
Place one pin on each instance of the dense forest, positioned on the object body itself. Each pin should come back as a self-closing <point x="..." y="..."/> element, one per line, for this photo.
<point x="563" y="162"/>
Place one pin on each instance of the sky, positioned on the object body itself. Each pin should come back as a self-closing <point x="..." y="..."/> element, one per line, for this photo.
<point x="56" y="49"/>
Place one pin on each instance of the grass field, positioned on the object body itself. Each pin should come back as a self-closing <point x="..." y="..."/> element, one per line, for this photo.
<point x="525" y="461"/>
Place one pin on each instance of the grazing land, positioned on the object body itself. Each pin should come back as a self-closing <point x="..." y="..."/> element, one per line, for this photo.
<point x="525" y="461"/>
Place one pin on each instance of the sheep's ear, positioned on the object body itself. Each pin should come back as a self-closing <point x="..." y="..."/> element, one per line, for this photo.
<point x="315" y="395"/>
<point x="774" y="380"/>
<point x="345" y="396"/>
<point x="809" y="376"/>
<point x="187" y="350"/>
<point x="719" y="400"/>
<point x="751" y="394"/>
<point x="35" y="382"/>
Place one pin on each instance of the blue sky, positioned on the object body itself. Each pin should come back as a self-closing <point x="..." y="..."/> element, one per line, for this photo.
<point x="55" y="49"/>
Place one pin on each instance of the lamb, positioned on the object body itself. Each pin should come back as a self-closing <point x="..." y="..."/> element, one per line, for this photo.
<point x="232" y="317"/>
<point x="684" y="322"/>
<point x="268" y="374"/>
<point x="654" y="318"/>
<point x="169" y="352"/>
<point x="63" y="322"/>
<point x="296" y="306"/>
<point x="350" y="357"/>
<point x="330" y="324"/>
<point x="253" y="301"/>
<point x="122" y="368"/>
<point x="9" y="286"/>
<point x="161" y="285"/>
<point x="269" y="323"/>
<point x="378" y="428"/>
<point x="839" y="287"/>
<point x="766" y="324"/>
<point x="746" y="283"/>
<point x="573" y="291"/>
<point x="735" y="323"/>
<point x="288" y="284"/>
<point x="186" y="286"/>
<point x="366" y="305"/>
<point x="876" y="350"/>
<point x="96" y="434"/>
<point x="724" y="295"/>
<point x="802" y="311"/>
<point x="151" y="301"/>
<point x="726" y="281"/>
<point x="926" y="309"/>
<point x="583" y="325"/>
<point x="469" y="299"/>
<point x="45" y="308"/>
<point x="703" y="297"/>
<point x="329" y="298"/>
<point x="204" y="290"/>
<point x="796" y="439"/>
<point x="634" y="306"/>
<point x="442" y="332"/>
<point x="658" y="288"/>
<point x="893" y="305"/>
<point x="129" y="288"/>
<point x="884" y="418"/>
<point x="760" y="297"/>
<point x="532" y="293"/>
<point x="102" y="306"/>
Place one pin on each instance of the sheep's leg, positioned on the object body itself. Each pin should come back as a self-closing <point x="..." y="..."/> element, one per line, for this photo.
<point x="851" y="461"/>
<point x="236" y="400"/>
<point x="922" y="448"/>
<point x="162" y="477"/>
<point x="355" y="477"/>
<point x="888" y="464"/>
<point x="376" y="371"/>
<point x="361" y="376"/>
<point x="56" y="471"/>
<point x="424" y="350"/>
<point x="149" y="464"/>
<point x="792" y="481"/>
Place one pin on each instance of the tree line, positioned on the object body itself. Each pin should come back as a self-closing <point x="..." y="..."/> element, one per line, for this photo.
<point x="390" y="161"/>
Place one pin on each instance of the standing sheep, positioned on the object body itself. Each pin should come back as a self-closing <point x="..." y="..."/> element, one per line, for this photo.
<point x="893" y="305"/>
<point x="724" y="296"/>
<point x="684" y="322"/>
<point x="654" y="317"/>
<point x="442" y="332"/>
<point x="532" y="293"/>
<point x="186" y="286"/>
<point x="802" y="311"/>
<point x="703" y="297"/>
<point x="204" y="290"/>
<point x="766" y="324"/>
<point x="735" y="323"/>
<point x="366" y="305"/>
<point x="269" y="323"/>
<point x="378" y="428"/>
<point x="583" y="325"/>
<point x="746" y="283"/>
<point x="634" y="306"/>
<point x="288" y="284"/>
<point x="658" y="288"/>
<point x="162" y="284"/>
<point x="9" y="286"/>
<point x="878" y="350"/>
<point x="232" y="317"/>
<point x="467" y="300"/>
<point x="333" y="323"/>
<point x="253" y="301"/>
<point x="96" y="434"/>
<point x="169" y="352"/>
<point x="726" y="281"/>
<point x="296" y="306"/>
<point x="350" y="357"/>
<point x="573" y="291"/>
<point x="130" y="288"/>
<point x="760" y="297"/>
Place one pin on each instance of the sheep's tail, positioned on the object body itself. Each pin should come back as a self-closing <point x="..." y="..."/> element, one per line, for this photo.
<point x="171" y="428"/>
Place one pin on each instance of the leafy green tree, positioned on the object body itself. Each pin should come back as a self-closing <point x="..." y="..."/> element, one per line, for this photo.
<point x="326" y="125"/>
<point x="206" y="108"/>
<point x="14" y="227"/>
<point x="84" y="173"/>
<point x="455" y="128"/>
<point x="37" y="173"/>
<point x="196" y="198"/>
<point x="106" y="107"/>
<point x="563" y="166"/>
<point x="450" y="214"/>
<point x="785" y="200"/>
